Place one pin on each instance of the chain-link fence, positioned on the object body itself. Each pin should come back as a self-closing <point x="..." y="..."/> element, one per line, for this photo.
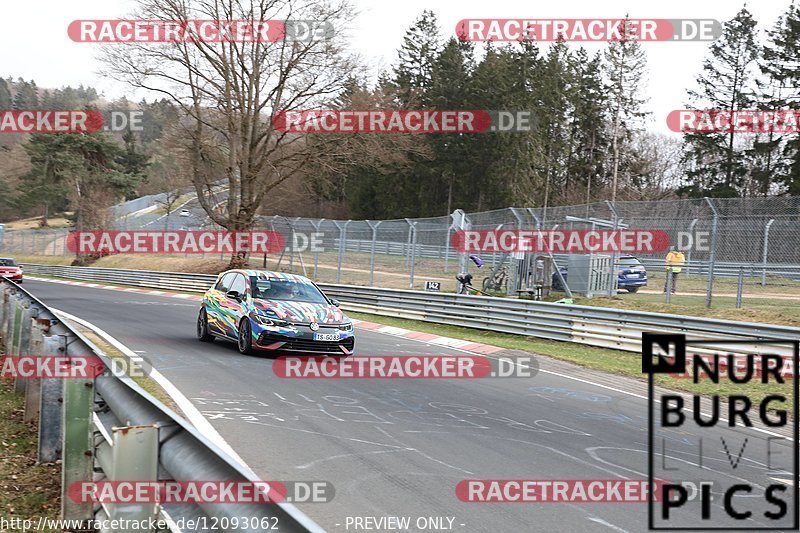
<point x="735" y="249"/>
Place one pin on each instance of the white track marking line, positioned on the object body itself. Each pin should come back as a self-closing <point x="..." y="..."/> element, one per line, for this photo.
<point x="607" y="524"/>
<point x="192" y="413"/>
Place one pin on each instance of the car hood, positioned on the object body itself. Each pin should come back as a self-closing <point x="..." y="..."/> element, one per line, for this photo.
<point x="300" y="312"/>
<point x="8" y="269"/>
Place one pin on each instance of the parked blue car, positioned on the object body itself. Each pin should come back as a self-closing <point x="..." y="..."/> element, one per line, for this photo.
<point x="630" y="276"/>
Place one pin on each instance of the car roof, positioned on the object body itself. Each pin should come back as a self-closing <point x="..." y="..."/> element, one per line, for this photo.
<point x="271" y="274"/>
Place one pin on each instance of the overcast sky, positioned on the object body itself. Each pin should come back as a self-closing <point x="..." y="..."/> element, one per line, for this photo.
<point x="35" y="44"/>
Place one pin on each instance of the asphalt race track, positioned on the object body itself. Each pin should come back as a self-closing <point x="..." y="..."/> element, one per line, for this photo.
<point x="399" y="447"/>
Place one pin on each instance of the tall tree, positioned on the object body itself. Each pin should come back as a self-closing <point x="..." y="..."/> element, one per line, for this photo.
<point x="26" y="95"/>
<point x="231" y="91"/>
<point x="715" y="161"/>
<point x="5" y="95"/>
<point x="780" y="64"/>
<point x="83" y="168"/>
<point x="626" y="66"/>
<point x="588" y="133"/>
<point x="413" y="73"/>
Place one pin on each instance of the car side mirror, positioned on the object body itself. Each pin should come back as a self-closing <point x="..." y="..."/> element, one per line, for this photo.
<point x="233" y="294"/>
<point x="335" y="302"/>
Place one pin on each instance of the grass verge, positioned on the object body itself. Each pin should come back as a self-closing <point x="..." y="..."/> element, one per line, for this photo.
<point x="617" y="362"/>
<point x="28" y="490"/>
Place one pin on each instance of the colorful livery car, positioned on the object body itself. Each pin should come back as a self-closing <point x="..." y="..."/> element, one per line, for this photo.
<point x="274" y="311"/>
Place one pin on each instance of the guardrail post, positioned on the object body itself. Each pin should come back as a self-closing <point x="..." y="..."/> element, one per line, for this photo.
<point x="764" y="252"/>
<point x="5" y="294"/>
<point x="133" y="456"/>
<point x="24" y="343"/>
<point x="51" y="398"/>
<point x="740" y="288"/>
<point x="33" y="386"/>
<point x="712" y="255"/>
<point x="78" y="445"/>
<point x="8" y="317"/>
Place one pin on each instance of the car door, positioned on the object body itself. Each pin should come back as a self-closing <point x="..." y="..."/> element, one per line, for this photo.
<point x="216" y="303"/>
<point x="235" y="309"/>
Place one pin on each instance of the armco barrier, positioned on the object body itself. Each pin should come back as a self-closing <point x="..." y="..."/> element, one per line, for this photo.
<point x="109" y="427"/>
<point x="619" y="329"/>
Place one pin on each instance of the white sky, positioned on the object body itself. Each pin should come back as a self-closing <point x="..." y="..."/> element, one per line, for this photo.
<point x="35" y="44"/>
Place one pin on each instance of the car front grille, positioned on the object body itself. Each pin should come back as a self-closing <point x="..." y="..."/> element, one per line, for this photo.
<point x="307" y="345"/>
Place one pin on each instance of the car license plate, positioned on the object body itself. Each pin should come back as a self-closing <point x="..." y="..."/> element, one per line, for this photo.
<point x="629" y="276"/>
<point x="326" y="336"/>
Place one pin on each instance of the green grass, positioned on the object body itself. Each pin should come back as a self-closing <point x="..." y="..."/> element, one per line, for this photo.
<point x="610" y="361"/>
<point x="769" y="311"/>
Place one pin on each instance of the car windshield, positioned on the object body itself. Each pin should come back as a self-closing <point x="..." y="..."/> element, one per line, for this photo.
<point x="629" y="262"/>
<point x="7" y="263"/>
<point x="285" y="289"/>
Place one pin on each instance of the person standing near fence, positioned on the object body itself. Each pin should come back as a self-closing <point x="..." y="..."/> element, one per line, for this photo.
<point x="674" y="263"/>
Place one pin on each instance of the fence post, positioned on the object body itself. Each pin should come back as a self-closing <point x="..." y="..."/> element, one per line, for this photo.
<point x="712" y="255"/>
<point x="342" y="245"/>
<point x="692" y="224"/>
<point x="408" y="247"/>
<point x="514" y="273"/>
<point x="447" y="240"/>
<point x="50" y="404"/>
<point x="316" y="251"/>
<point x="668" y="287"/>
<point x="460" y="223"/>
<point x="413" y="226"/>
<point x="372" y="250"/>
<point x="740" y="288"/>
<point x="612" y="272"/>
<point x="764" y="253"/>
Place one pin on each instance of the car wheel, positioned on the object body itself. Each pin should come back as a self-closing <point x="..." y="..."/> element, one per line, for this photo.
<point x="245" y="340"/>
<point x="632" y="289"/>
<point x="202" y="327"/>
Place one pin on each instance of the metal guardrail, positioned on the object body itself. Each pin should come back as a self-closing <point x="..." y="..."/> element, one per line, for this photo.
<point x="619" y="329"/>
<point x="108" y="427"/>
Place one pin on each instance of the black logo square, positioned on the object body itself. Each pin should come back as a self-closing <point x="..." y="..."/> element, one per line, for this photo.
<point x="660" y="345"/>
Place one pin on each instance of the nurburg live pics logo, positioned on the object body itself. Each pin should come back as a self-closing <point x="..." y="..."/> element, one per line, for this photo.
<point x="731" y="459"/>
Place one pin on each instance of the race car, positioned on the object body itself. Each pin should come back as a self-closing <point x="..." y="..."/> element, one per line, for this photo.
<point x="9" y="269"/>
<point x="272" y="311"/>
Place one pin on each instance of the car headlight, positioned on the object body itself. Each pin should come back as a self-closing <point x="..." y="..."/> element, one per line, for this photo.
<point x="267" y="321"/>
<point x="346" y="327"/>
